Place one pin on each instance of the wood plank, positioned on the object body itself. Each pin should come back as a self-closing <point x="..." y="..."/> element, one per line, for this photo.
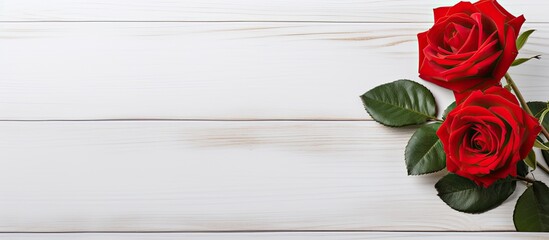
<point x="243" y="10"/>
<point x="219" y="176"/>
<point x="279" y="236"/>
<point x="214" y="70"/>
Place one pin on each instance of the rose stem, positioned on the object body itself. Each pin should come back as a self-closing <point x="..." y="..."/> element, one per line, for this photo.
<point x="437" y="119"/>
<point x="525" y="179"/>
<point x="523" y="102"/>
<point x="545" y="169"/>
<point x="511" y="83"/>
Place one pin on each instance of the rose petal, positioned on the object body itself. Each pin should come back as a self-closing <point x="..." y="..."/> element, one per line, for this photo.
<point x="463" y="8"/>
<point x="499" y="17"/>
<point x="517" y="24"/>
<point x="509" y="54"/>
<point x="422" y="39"/>
<point x="494" y="7"/>
<point x="502" y="92"/>
<point x="440" y="12"/>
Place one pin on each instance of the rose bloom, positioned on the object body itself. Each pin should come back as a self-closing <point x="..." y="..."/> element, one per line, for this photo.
<point x="487" y="135"/>
<point x="470" y="46"/>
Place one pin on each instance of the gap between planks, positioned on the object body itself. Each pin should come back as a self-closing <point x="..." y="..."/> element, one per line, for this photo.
<point x="242" y="21"/>
<point x="251" y="231"/>
<point x="285" y="235"/>
<point x="187" y="120"/>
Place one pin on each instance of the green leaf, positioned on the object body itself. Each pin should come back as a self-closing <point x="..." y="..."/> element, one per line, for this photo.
<point x="532" y="209"/>
<point x="540" y="145"/>
<point x="424" y="153"/>
<point x="520" y="61"/>
<point x="464" y="195"/>
<point x="537" y="109"/>
<point x="531" y="159"/>
<point x="448" y="110"/>
<point x="545" y="156"/>
<point x="521" y="40"/>
<point x="400" y="103"/>
<point x="522" y="169"/>
<point x="543" y="115"/>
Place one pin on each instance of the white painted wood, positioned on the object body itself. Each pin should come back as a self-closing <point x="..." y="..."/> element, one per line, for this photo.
<point x="215" y="70"/>
<point x="243" y="10"/>
<point x="204" y="176"/>
<point x="217" y="175"/>
<point x="278" y="236"/>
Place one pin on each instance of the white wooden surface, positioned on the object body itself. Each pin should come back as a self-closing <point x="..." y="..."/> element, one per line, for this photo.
<point x="278" y="236"/>
<point x="243" y="10"/>
<point x="215" y="70"/>
<point x="206" y="64"/>
<point x="208" y="176"/>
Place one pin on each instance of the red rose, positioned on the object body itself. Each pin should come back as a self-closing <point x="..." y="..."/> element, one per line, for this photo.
<point x="470" y="46"/>
<point x="487" y="135"/>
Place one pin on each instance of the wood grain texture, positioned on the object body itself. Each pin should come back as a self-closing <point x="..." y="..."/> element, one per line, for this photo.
<point x="278" y="236"/>
<point x="215" y="70"/>
<point x="215" y="176"/>
<point x="215" y="60"/>
<point x="243" y="10"/>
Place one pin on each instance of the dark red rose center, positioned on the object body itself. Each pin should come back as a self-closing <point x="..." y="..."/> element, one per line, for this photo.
<point x="455" y="37"/>
<point x="463" y="34"/>
<point x="478" y="142"/>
